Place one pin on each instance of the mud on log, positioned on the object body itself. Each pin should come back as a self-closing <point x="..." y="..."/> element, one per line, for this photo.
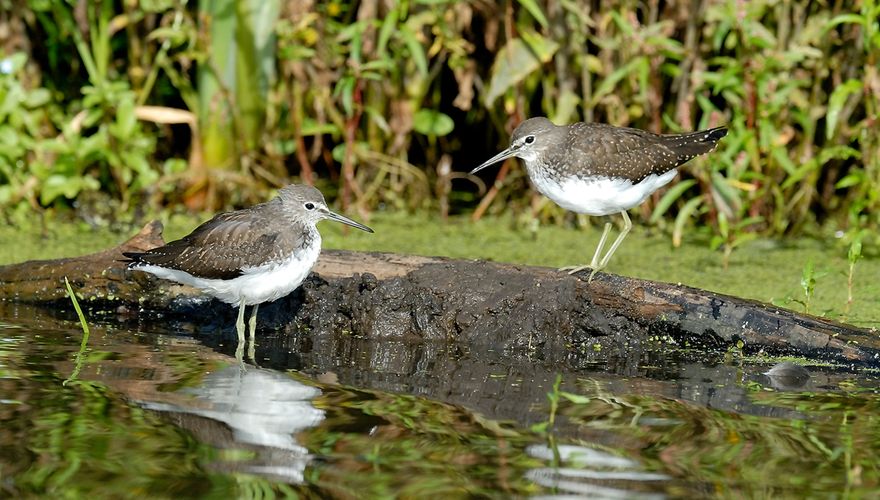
<point x="476" y="304"/>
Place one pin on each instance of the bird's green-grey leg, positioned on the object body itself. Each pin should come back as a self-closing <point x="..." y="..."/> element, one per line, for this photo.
<point x="595" y="262"/>
<point x="602" y="240"/>
<point x="627" y="225"/>
<point x="252" y="324"/>
<point x="239" y="325"/>
<point x="239" y="328"/>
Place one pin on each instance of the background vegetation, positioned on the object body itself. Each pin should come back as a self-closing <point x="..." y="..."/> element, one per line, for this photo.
<point x="136" y="105"/>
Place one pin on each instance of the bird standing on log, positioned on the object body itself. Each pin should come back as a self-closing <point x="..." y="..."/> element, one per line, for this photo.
<point x="598" y="169"/>
<point x="250" y="256"/>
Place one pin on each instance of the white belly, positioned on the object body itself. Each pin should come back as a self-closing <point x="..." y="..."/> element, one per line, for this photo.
<point x="602" y="196"/>
<point x="257" y="284"/>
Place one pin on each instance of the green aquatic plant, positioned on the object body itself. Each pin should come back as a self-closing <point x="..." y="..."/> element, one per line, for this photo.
<point x="78" y="361"/>
<point x="853" y="255"/>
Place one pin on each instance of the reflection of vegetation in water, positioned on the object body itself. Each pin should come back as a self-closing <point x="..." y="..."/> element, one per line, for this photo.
<point x="85" y="441"/>
<point x="381" y="445"/>
<point x="84" y="438"/>
<point x="833" y="448"/>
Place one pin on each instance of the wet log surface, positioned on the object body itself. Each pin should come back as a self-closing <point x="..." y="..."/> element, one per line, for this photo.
<point x="476" y="305"/>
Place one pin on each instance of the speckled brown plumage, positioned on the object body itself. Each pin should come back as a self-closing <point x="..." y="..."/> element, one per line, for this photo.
<point x="596" y="149"/>
<point x="598" y="169"/>
<point x="221" y="247"/>
<point x="231" y="242"/>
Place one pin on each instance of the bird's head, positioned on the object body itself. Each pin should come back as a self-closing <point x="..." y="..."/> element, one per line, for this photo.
<point x="308" y="204"/>
<point x="529" y="139"/>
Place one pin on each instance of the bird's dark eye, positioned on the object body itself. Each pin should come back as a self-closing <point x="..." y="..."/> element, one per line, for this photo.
<point x="310" y="206"/>
<point x="529" y="139"/>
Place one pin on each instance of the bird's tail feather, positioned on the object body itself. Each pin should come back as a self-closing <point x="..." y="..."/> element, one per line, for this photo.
<point x="696" y="143"/>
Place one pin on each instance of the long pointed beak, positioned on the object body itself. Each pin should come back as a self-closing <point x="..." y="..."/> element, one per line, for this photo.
<point x="345" y="220"/>
<point x="507" y="153"/>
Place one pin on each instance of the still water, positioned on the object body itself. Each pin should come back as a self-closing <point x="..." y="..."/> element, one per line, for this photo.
<point x="162" y="411"/>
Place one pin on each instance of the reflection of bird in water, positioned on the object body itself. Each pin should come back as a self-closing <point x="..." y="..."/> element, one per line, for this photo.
<point x="787" y="376"/>
<point x="263" y="409"/>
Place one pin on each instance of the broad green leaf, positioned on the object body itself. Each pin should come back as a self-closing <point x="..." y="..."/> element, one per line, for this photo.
<point x="431" y="122"/>
<point x="836" y="103"/>
<point x="517" y="60"/>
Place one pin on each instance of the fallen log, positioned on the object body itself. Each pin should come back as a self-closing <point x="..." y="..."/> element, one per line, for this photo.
<point x="476" y="304"/>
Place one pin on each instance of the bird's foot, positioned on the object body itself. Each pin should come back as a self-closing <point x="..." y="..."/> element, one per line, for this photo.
<point x="576" y="269"/>
<point x="239" y="356"/>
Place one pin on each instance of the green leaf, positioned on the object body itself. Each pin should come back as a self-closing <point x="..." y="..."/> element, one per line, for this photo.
<point x="535" y="11"/>
<point x="378" y="117"/>
<point x="175" y="36"/>
<point x="388" y="26"/>
<point x="566" y="106"/>
<point x="836" y="103"/>
<point x="780" y="154"/>
<point x="517" y="60"/>
<point x="725" y="196"/>
<point x="311" y="127"/>
<point x="37" y="98"/>
<point x="345" y="90"/>
<point x="69" y="187"/>
<point x="609" y="83"/>
<point x="681" y="219"/>
<point x="851" y="179"/>
<point x="433" y="123"/>
<point x="126" y="121"/>
<point x="577" y="399"/>
<point x="16" y="62"/>
<point x="416" y="51"/>
<point x="842" y="19"/>
<point x="378" y="64"/>
<point x="669" y="198"/>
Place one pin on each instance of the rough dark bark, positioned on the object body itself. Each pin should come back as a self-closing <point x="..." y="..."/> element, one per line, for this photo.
<point x="476" y="304"/>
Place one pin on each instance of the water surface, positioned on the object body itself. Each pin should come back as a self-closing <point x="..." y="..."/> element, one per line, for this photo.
<point x="162" y="410"/>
